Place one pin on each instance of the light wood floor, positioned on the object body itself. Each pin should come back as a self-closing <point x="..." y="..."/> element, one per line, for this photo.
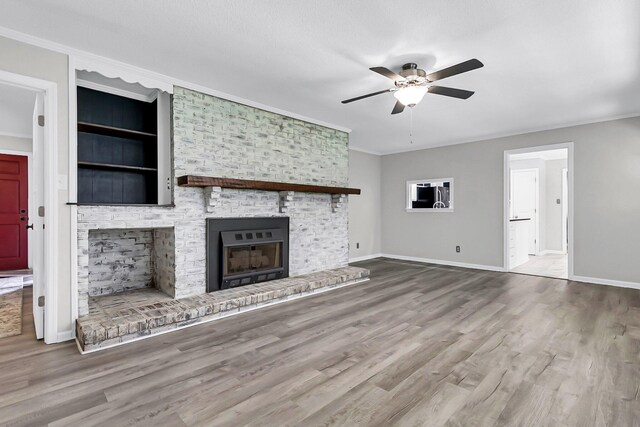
<point x="417" y="345"/>
<point x="550" y="265"/>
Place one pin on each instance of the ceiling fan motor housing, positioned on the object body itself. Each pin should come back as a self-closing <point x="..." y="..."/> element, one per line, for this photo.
<point x="412" y="73"/>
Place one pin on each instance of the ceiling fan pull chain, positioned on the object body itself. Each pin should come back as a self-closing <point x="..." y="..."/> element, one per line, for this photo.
<point x="410" y="125"/>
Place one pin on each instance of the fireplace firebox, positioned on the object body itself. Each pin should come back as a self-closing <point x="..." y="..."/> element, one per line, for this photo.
<point x="242" y="251"/>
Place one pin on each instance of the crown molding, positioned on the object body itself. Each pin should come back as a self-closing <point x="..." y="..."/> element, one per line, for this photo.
<point x="363" y="150"/>
<point x="87" y="60"/>
<point x="509" y="134"/>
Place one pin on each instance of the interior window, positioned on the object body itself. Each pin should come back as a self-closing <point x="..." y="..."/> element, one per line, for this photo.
<point x="430" y="195"/>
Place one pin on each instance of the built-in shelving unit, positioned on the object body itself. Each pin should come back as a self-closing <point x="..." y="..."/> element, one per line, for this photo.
<point x="117" y="149"/>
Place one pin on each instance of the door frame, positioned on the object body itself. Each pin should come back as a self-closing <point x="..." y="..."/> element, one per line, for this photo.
<point x="536" y="222"/>
<point x="49" y="91"/>
<point x="570" y="204"/>
<point x="565" y="197"/>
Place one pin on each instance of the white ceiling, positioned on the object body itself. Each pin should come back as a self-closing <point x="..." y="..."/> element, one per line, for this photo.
<point x="16" y="111"/>
<point x="548" y="63"/>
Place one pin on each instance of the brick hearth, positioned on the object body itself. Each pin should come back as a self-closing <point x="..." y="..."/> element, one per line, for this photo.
<point x="118" y="318"/>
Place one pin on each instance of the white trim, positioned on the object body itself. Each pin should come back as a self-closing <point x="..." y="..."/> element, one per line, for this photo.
<point x="65" y="336"/>
<point x="15" y="135"/>
<point x="592" y="280"/>
<point x="16" y="153"/>
<point x="229" y="314"/>
<point x="117" y="91"/>
<point x="364" y="257"/>
<point x="85" y="61"/>
<point x="32" y="180"/>
<point x="505" y="199"/>
<point x="606" y="282"/>
<point x="362" y="150"/>
<point x="442" y="262"/>
<point x="151" y="79"/>
<point x="73" y="189"/>
<point x="508" y="134"/>
<point x="50" y="190"/>
<point x="564" y="181"/>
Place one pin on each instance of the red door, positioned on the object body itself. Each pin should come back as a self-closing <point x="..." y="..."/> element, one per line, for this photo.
<point x="13" y="212"/>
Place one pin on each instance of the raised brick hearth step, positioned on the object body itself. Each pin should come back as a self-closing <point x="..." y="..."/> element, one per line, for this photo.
<point x="120" y="318"/>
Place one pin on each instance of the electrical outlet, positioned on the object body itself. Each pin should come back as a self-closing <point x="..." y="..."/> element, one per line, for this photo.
<point x="358" y="245"/>
<point x="457" y="248"/>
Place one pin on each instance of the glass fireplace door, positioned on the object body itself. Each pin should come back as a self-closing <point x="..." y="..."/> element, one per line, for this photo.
<point x="238" y="260"/>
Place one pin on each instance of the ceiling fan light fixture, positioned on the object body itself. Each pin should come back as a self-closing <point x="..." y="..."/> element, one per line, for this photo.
<point x="410" y="96"/>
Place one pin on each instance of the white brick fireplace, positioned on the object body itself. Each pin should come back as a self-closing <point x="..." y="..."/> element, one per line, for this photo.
<point x="127" y="247"/>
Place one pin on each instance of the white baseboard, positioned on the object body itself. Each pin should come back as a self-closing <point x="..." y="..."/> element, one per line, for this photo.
<point x="65" y="336"/>
<point x="551" y="252"/>
<point x="607" y="282"/>
<point x="593" y="280"/>
<point x="441" y="262"/>
<point x="364" y="258"/>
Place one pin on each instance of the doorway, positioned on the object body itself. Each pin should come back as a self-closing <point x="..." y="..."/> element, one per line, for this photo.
<point x="27" y="191"/>
<point x="538" y="206"/>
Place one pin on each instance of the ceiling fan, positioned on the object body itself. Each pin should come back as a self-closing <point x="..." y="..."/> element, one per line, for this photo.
<point x="412" y="83"/>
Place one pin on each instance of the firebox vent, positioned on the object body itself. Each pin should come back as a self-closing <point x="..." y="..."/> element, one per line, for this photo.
<point x="251" y="237"/>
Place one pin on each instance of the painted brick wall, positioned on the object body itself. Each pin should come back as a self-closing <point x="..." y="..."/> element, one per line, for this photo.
<point x="164" y="259"/>
<point x="215" y="137"/>
<point x="120" y="260"/>
<point x="237" y="141"/>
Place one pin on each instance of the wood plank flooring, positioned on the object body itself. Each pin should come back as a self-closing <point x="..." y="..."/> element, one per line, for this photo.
<point x="417" y="345"/>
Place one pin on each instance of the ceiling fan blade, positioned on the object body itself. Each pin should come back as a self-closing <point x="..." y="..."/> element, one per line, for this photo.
<point x="387" y="73"/>
<point x="346" y="101"/>
<point x="449" y="91"/>
<point x="398" y="108"/>
<point x="460" y="68"/>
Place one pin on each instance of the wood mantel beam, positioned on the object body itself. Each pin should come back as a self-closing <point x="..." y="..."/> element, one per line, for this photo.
<point x="247" y="184"/>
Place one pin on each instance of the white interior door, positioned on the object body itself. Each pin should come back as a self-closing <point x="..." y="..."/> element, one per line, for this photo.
<point x="36" y="200"/>
<point x="524" y="202"/>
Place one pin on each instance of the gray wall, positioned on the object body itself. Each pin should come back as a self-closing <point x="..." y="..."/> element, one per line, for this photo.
<point x="13" y="143"/>
<point x="365" y="223"/>
<point x="607" y="182"/>
<point x="28" y="60"/>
